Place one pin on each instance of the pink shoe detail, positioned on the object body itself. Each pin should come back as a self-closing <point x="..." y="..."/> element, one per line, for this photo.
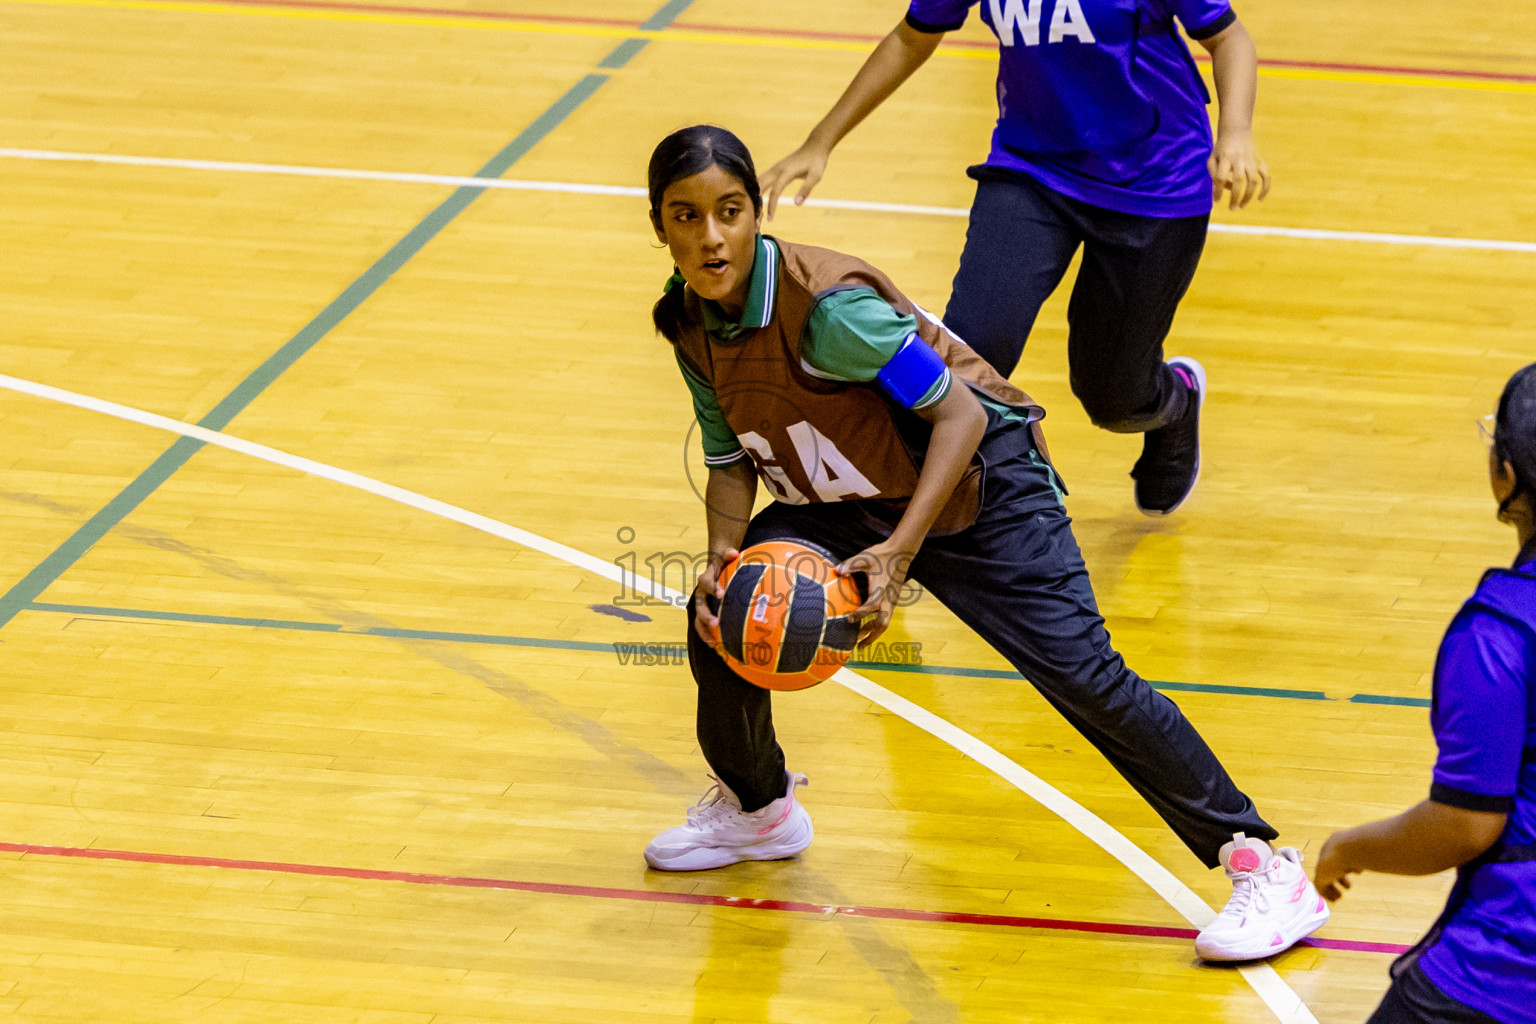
<point x="795" y="781"/>
<point x="1269" y="910"/>
<point x="1245" y="860"/>
<point x="718" y="832"/>
<point x="789" y="807"/>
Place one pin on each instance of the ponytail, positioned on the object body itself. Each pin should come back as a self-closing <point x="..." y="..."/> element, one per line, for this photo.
<point x="669" y="311"/>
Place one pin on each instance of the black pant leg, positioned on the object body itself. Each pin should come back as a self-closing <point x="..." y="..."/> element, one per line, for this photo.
<point x="735" y="718"/>
<point x="1135" y="271"/>
<point x="735" y="726"/>
<point x="1017" y="247"/>
<point x="1414" y="999"/>
<point x="1018" y="579"/>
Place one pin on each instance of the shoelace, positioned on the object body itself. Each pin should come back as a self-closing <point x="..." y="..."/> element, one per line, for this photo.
<point x="1251" y="888"/>
<point x="1243" y="889"/>
<point x="713" y="809"/>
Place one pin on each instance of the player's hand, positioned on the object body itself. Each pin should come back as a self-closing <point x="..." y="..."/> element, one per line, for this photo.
<point x="809" y="162"/>
<point x="886" y="570"/>
<point x="1331" y="876"/>
<point x="705" y="622"/>
<point x="1237" y="168"/>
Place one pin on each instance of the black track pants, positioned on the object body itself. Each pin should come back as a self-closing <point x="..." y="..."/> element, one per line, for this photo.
<point x="1017" y="578"/>
<point x="1021" y="238"/>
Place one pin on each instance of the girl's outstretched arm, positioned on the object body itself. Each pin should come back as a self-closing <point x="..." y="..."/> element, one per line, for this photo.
<point x="899" y="54"/>
<point x="1424" y="840"/>
<point x="1236" y="167"/>
<point x="959" y="422"/>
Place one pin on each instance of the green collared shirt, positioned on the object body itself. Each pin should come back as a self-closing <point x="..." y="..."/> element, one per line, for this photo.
<point x="850" y="336"/>
<point x="761" y="292"/>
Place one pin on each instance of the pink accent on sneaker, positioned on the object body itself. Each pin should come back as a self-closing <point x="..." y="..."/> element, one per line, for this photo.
<point x="1245" y="860"/>
<point x="1276" y="941"/>
<point x="1300" y="890"/>
<point x="1321" y="906"/>
<point x="1189" y="381"/>
<point x="789" y="806"/>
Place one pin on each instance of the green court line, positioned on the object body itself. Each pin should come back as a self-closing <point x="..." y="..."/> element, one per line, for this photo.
<point x="72" y="550"/>
<point x="1001" y="673"/>
<point x="1382" y="698"/>
<point x="665" y="16"/>
<point x="391" y="632"/>
<point x="623" y="53"/>
<point x="142" y="614"/>
<point x="41" y="577"/>
<point x="374" y="277"/>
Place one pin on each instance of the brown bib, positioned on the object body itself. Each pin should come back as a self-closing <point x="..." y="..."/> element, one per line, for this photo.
<point x="813" y="439"/>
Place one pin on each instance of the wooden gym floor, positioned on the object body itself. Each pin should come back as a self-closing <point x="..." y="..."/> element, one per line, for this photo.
<point x="280" y="744"/>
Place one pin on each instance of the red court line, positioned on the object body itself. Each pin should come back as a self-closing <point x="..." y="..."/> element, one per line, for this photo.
<point x="846" y="37"/>
<point x="658" y="896"/>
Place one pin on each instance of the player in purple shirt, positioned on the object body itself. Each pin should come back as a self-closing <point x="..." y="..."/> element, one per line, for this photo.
<point x="1102" y="141"/>
<point x="1477" y="965"/>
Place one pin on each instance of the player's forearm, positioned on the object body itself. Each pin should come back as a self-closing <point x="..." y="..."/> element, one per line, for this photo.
<point x="899" y="54"/>
<point x="728" y="498"/>
<point x="958" y="426"/>
<point x="1424" y="840"/>
<point x="1235" y="66"/>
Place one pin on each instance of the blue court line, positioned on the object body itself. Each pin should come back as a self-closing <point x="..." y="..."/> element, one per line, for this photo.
<point x="150" y="615"/>
<point x="42" y="576"/>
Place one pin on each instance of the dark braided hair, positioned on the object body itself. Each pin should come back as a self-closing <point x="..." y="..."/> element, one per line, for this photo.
<point x="1514" y="434"/>
<point x="684" y="153"/>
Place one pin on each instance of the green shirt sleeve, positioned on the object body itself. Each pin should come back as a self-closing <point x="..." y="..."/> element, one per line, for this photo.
<point x="720" y="445"/>
<point x="852" y="334"/>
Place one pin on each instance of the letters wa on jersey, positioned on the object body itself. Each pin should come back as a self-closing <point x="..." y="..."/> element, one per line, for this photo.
<point x="1067" y="21"/>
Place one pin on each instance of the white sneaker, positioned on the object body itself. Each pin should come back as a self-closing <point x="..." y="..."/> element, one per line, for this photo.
<point x="718" y="832"/>
<point x="1273" y="906"/>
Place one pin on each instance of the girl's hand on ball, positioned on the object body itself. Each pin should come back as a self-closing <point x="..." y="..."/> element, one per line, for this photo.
<point x="886" y="572"/>
<point x="705" y="622"/>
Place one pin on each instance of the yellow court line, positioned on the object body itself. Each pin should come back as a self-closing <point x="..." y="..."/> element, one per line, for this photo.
<point x="674" y="35"/>
<point x="375" y="17"/>
<point x="1389" y="78"/>
<point x="470" y="21"/>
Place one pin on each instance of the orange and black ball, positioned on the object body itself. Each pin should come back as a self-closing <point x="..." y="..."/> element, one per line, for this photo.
<point x="785" y="618"/>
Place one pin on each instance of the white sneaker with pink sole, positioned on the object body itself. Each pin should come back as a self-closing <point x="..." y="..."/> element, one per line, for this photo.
<point x="1274" y="904"/>
<point x="718" y="832"/>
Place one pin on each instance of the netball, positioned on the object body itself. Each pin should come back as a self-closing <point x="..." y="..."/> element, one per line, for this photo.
<point x="784" y="620"/>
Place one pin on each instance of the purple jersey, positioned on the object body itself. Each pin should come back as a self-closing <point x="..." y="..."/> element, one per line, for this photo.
<point x="1099" y="100"/>
<point x="1484" y="719"/>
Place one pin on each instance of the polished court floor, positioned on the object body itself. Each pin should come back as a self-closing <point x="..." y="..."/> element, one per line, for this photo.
<point x="328" y="477"/>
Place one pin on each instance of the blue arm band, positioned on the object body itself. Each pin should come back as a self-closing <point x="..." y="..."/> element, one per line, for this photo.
<point x="912" y="372"/>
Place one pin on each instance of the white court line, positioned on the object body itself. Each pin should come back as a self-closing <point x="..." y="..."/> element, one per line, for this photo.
<point x="1277" y="995"/>
<point x="910" y="209"/>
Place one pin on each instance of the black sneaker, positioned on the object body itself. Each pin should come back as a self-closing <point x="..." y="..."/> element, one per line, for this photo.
<point x="1170" y="456"/>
